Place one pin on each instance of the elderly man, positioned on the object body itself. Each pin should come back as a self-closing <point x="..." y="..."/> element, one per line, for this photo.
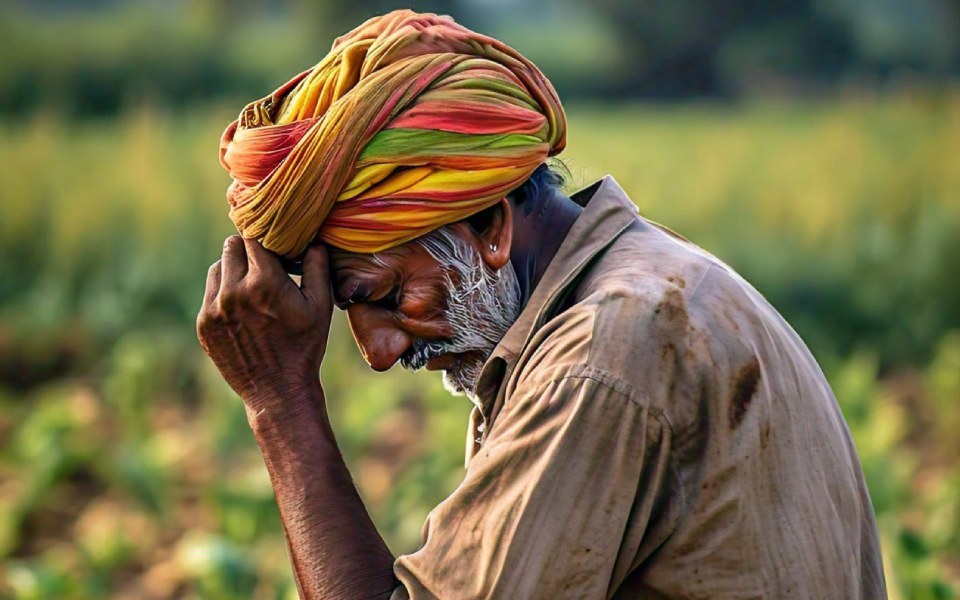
<point x="645" y="424"/>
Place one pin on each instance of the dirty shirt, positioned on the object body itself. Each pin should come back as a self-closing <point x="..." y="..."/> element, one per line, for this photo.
<point x="650" y="427"/>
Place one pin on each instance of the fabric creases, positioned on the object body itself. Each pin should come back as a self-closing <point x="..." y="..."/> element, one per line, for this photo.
<point x="411" y="122"/>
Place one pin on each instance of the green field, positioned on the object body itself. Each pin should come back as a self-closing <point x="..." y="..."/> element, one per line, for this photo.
<point x="126" y="466"/>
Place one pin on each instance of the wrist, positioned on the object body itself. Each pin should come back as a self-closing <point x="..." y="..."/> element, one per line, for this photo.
<point x="281" y="392"/>
<point x="295" y="437"/>
<point x="276" y="406"/>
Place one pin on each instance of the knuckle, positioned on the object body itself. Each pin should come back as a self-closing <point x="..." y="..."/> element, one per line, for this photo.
<point x="202" y="333"/>
<point x="230" y="300"/>
<point x="208" y="318"/>
<point x="230" y="244"/>
<point x="227" y="301"/>
<point x="204" y="327"/>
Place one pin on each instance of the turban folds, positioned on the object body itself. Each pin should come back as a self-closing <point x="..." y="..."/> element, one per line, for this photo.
<point x="411" y="122"/>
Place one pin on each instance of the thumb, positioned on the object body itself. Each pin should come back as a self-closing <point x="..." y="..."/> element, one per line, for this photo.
<point x="315" y="282"/>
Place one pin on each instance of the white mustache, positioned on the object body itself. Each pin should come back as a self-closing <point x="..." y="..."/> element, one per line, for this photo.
<point x="422" y="352"/>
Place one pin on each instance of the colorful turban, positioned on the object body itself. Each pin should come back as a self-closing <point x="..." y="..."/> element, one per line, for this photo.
<point x="411" y="122"/>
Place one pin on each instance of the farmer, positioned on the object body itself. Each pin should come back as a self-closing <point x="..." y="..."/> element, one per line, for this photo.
<point x="645" y="424"/>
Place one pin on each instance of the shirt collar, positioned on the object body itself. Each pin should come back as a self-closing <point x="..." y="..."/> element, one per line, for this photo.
<point x="607" y="213"/>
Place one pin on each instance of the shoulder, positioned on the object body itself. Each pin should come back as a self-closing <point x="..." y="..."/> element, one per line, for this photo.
<point x="626" y="336"/>
<point x="649" y="319"/>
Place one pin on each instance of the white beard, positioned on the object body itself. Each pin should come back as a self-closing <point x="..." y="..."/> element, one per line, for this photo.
<point x="481" y="307"/>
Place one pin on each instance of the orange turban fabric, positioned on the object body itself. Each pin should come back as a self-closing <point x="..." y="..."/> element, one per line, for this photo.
<point x="411" y="122"/>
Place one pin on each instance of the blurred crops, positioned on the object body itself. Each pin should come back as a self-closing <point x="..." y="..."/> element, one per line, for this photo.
<point x="126" y="466"/>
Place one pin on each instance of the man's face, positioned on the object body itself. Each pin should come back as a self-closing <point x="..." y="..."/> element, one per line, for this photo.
<point x="432" y="302"/>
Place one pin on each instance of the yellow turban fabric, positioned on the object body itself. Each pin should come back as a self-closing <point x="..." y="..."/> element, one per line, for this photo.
<point x="411" y="122"/>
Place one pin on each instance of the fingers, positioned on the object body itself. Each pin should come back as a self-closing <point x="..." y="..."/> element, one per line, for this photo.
<point x="315" y="281"/>
<point x="262" y="261"/>
<point x="213" y="284"/>
<point x="234" y="261"/>
<point x="207" y="310"/>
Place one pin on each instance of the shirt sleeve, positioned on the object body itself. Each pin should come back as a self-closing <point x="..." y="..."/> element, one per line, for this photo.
<point x="559" y="502"/>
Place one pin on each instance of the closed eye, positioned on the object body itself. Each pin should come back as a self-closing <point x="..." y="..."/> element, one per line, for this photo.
<point x="389" y="301"/>
<point x="356" y="295"/>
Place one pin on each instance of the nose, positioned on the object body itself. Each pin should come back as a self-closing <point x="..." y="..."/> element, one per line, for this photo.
<point x="381" y="342"/>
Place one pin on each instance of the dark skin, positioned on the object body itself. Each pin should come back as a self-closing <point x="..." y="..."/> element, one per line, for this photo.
<point x="268" y="337"/>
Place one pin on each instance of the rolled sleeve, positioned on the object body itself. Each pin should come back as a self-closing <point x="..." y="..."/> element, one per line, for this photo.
<point x="558" y="501"/>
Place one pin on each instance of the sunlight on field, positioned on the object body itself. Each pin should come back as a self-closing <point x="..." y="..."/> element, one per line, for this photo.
<point x="126" y="466"/>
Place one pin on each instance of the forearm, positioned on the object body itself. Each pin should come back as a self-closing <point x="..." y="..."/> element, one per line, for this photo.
<point x="335" y="548"/>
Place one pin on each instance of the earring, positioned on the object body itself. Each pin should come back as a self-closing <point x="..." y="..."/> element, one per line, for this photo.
<point x="493" y="247"/>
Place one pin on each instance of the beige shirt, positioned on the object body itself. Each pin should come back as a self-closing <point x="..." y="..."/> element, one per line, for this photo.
<point x="650" y="427"/>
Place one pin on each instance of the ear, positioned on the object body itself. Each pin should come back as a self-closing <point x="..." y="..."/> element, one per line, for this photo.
<point x="495" y="240"/>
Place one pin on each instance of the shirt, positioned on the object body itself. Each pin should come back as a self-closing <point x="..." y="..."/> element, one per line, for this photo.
<point x="650" y="427"/>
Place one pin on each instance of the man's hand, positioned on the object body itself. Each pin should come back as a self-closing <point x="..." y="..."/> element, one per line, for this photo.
<point x="268" y="336"/>
<point x="265" y="334"/>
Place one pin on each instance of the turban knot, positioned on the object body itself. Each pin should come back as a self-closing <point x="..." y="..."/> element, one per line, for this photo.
<point x="411" y="122"/>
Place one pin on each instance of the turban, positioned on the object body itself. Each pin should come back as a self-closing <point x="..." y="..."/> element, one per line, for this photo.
<point x="410" y="123"/>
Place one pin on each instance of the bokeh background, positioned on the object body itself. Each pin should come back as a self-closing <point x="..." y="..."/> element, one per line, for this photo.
<point x="812" y="144"/>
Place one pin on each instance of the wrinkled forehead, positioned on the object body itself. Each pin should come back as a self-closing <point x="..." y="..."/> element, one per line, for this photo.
<point x="344" y="263"/>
